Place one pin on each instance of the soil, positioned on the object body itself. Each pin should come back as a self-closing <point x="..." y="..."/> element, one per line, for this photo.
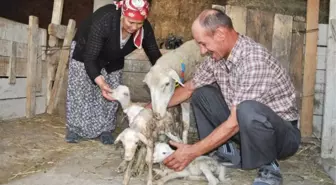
<point x="33" y="151"/>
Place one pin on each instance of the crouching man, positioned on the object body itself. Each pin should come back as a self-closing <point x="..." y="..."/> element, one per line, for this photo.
<point x="250" y="118"/>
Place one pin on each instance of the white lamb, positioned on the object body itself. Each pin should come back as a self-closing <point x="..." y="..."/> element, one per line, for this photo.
<point x="144" y="127"/>
<point x="199" y="168"/>
<point x="162" y="76"/>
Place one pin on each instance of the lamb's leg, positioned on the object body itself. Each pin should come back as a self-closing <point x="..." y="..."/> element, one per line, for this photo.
<point x="185" y="120"/>
<point x="173" y="175"/>
<point x="140" y="164"/>
<point x="122" y="167"/>
<point x="149" y="161"/>
<point x="127" y="175"/>
<point x="222" y="173"/>
<point x="208" y="174"/>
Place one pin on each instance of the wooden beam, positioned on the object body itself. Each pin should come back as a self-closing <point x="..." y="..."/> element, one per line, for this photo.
<point x="64" y="58"/>
<point x="238" y="17"/>
<point x="53" y="42"/>
<point x="33" y="41"/>
<point x="309" y="70"/>
<point x="328" y="148"/>
<point x="12" y="65"/>
<point x="57" y="30"/>
<point x="218" y="7"/>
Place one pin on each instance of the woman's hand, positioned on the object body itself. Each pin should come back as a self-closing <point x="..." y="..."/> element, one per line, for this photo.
<point x="104" y="87"/>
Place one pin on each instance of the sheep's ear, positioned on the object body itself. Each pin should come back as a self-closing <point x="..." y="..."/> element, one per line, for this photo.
<point x="142" y="138"/>
<point x="172" y="74"/>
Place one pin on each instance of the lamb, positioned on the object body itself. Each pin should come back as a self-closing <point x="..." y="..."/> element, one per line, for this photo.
<point x="143" y="127"/>
<point x="202" y="165"/>
<point x="162" y="76"/>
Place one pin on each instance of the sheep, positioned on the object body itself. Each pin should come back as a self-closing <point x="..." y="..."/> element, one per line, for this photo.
<point x="144" y="127"/>
<point x="201" y="165"/>
<point x="162" y="76"/>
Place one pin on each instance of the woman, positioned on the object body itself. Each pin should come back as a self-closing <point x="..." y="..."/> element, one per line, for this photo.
<point x="96" y="61"/>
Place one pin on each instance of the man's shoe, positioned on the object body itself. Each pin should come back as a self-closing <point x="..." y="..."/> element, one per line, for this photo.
<point x="229" y="153"/>
<point x="269" y="175"/>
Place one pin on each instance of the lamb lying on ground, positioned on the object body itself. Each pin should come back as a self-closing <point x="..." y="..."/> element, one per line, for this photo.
<point x="196" y="170"/>
<point x="144" y="127"/>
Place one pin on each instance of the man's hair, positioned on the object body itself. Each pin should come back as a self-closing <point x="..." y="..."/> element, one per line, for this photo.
<point x="211" y="19"/>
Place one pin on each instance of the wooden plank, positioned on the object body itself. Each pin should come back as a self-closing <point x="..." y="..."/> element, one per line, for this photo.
<point x="33" y="41"/>
<point x="6" y="48"/>
<point x="39" y="70"/>
<point x="238" y="17"/>
<point x="309" y="69"/>
<point x="64" y="58"/>
<point x="282" y="38"/>
<point x="329" y="124"/>
<point x="9" y="91"/>
<point x="15" y="108"/>
<point x="296" y="59"/>
<point x="57" y="30"/>
<point x="20" y="67"/>
<point x="12" y="65"/>
<point x="43" y="39"/>
<point x="260" y="27"/>
<point x="56" y="18"/>
<point x="321" y="58"/>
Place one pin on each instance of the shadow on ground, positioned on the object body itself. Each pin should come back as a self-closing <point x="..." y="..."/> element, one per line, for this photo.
<point x="33" y="151"/>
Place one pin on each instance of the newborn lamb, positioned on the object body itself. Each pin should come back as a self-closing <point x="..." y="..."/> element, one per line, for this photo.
<point x="202" y="165"/>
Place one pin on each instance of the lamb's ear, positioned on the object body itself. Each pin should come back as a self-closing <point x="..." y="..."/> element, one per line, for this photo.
<point x="119" y="137"/>
<point x="172" y="74"/>
<point x="142" y="138"/>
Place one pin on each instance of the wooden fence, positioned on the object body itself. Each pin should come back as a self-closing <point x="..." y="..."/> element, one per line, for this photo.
<point x="14" y="56"/>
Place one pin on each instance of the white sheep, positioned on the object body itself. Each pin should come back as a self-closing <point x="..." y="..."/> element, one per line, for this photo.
<point x="196" y="170"/>
<point x="162" y="76"/>
<point x="143" y="127"/>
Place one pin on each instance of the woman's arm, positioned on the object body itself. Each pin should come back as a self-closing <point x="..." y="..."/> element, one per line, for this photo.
<point x="149" y="43"/>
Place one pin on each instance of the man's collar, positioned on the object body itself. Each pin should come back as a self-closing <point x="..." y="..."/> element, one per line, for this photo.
<point x="234" y="54"/>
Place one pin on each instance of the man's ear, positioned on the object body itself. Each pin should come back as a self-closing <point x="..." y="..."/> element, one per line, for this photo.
<point x="172" y="74"/>
<point x="220" y="33"/>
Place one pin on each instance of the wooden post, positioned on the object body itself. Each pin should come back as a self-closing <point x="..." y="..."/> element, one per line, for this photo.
<point x="309" y="70"/>
<point x="63" y="61"/>
<point x="53" y="42"/>
<point x="33" y="42"/>
<point x="12" y="65"/>
<point x="328" y="146"/>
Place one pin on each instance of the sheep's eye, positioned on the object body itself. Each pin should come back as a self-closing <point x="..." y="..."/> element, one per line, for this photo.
<point x="167" y="84"/>
<point x="164" y="153"/>
<point x="125" y="94"/>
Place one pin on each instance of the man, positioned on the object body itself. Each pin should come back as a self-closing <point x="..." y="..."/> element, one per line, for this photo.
<point x="251" y="120"/>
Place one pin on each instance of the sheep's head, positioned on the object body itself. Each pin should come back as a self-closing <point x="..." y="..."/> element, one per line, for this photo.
<point x="161" y="83"/>
<point x="161" y="152"/>
<point x="122" y="95"/>
<point x="130" y="138"/>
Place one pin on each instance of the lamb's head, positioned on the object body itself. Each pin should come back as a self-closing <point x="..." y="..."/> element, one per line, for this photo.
<point x="161" y="152"/>
<point x="130" y="139"/>
<point x="161" y="83"/>
<point x="122" y="95"/>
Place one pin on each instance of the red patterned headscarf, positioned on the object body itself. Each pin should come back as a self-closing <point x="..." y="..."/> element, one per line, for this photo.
<point x="135" y="9"/>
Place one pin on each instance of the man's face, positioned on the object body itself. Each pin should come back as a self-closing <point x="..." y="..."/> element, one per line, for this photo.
<point x="210" y="44"/>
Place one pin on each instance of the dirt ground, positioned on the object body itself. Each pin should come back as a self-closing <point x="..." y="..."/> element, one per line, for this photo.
<point x="33" y="151"/>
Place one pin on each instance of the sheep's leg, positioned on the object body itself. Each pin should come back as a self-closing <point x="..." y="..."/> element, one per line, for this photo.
<point x="208" y="174"/>
<point x="122" y="167"/>
<point x="140" y="164"/>
<point x="173" y="175"/>
<point x="196" y="178"/>
<point x="127" y="175"/>
<point x="149" y="161"/>
<point x="185" y="120"/>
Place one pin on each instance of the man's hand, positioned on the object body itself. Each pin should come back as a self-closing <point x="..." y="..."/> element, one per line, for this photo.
<point x="183" y="155"/>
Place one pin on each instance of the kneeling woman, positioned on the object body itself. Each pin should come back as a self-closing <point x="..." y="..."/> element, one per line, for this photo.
<point x="96" y="61"/>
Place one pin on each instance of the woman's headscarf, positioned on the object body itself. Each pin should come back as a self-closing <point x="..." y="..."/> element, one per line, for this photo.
<point x="135" y="9"/>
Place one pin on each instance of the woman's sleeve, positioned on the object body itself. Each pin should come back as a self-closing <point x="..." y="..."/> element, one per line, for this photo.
<point x="149" y="43"/>
<point x="93" y="47"/>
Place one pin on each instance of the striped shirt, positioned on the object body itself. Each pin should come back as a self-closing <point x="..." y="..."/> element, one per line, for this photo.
<point x="251" y="73"/>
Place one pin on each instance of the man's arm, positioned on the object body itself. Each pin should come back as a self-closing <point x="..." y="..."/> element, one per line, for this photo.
<point x="181" y="94"/>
